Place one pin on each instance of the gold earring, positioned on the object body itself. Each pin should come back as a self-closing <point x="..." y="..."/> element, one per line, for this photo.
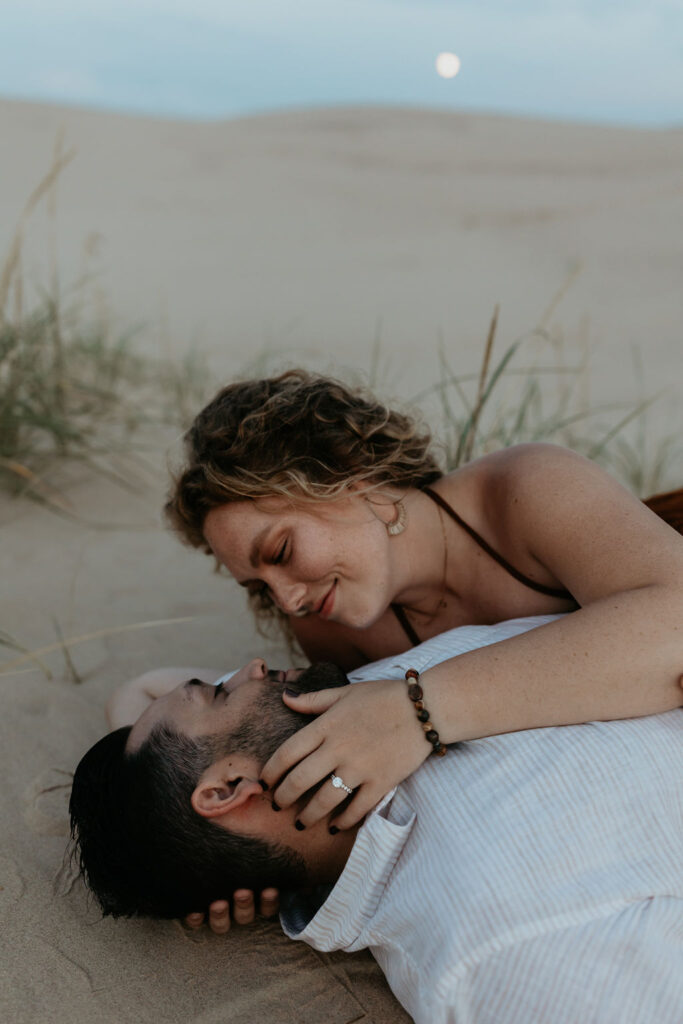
<point x="398" y="524"/>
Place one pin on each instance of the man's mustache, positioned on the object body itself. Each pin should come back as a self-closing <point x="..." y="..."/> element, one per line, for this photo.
<point x="271" y="722"/>
<point x="322" y="675"/>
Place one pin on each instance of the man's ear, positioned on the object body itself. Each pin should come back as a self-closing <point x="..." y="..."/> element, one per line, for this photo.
<point x="221" y="790"/>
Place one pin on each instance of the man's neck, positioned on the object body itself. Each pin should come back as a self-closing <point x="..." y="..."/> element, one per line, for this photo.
<point x="326" y="855"/>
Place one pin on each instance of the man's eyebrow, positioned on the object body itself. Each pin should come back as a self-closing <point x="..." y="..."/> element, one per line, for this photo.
<point x="255" y="552"/>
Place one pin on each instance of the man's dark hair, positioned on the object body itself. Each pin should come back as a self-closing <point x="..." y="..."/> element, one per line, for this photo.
<point x="139" y="844"/>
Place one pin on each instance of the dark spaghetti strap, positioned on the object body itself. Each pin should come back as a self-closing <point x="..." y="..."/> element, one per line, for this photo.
<point x="400" y="614"/>
<point x="540" y="587"/>
<point x="668" y="507"/>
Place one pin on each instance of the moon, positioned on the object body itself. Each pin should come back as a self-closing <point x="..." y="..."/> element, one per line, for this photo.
<point x="447" y="65"/>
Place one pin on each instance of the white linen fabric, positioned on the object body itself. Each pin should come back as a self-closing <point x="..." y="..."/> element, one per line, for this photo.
<point x="529" y="878"/>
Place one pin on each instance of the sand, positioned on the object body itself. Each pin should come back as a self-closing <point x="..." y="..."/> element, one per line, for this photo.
<point x="298" y="232"/>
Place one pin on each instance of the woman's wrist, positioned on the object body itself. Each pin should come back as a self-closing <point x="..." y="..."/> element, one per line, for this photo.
<point x="416" y="695"/>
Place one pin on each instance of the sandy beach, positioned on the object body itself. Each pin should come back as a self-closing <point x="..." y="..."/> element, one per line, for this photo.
<point x="292" y="235"/>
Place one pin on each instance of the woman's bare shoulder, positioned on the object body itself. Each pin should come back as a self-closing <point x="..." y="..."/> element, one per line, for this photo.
<point x="492" y="480"/>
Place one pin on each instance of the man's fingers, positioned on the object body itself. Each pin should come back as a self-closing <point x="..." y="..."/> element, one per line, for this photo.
<point x="293" y="750"/>
<point x="219" y="917"/>
<point x="243" y="910"/>
<point x="194" y="921"/>
<point x="270" y="902"/>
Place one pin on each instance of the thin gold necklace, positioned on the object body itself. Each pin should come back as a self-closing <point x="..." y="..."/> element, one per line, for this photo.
<point x="442" y="596"/>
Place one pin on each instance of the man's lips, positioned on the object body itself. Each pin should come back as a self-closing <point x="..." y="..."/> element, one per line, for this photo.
<point x="324" y="609"/>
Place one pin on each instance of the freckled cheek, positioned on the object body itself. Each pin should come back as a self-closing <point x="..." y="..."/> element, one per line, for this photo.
<point x="316" y="561"/>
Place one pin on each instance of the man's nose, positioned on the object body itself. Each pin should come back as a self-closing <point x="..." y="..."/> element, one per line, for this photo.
<point x="257" y="669"/>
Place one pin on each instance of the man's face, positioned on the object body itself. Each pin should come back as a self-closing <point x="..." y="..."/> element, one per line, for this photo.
<point x="246" y="714"/>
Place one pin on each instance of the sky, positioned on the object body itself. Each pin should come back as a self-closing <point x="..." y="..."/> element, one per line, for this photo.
<point x="616" y="61"/>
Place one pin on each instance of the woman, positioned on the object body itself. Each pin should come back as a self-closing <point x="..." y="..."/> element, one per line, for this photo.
<point x="332" y="512"/>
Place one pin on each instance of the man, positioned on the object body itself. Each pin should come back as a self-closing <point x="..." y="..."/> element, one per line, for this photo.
<point x="530" y="877"/>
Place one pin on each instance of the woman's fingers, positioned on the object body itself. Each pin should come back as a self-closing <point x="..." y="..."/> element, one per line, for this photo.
<point x="307" y="774"/>
<point x="219" y="917"/>
<point x="313" y="703"/>
<point x="326" y="800"/>
<point x="293" y="750"/>
<point x="365" y="799"/>
<point x="270" y="902"/>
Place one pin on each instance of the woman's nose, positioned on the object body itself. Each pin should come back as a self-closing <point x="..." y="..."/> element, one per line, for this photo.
<point x="290" y="598"/>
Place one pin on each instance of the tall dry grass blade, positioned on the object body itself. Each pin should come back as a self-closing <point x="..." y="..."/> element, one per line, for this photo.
<point x="599" y="448"/>
<point x="478" y="405"/>
<point x="70" y="667"/>
<point x="493" y="380"/>
<point x="73" y="641"/>
<point x="7" y="641"/>
<point x="14" y="253"/>
<point x="46" y="492"/>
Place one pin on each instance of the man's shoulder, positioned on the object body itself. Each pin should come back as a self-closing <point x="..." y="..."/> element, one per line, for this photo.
<point x="450" y="644"/>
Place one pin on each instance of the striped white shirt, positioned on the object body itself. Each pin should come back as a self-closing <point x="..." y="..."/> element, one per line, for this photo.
<point x="529" y="878"/>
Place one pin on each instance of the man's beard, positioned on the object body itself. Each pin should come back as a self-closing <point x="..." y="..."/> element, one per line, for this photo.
<point x="270" y="722"/>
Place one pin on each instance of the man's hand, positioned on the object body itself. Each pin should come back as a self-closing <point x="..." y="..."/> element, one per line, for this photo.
<point x="243" y="910"/>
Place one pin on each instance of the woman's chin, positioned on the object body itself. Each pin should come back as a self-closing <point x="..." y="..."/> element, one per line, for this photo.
<point x="364" y="618"/>
<point x="361" y="614"/>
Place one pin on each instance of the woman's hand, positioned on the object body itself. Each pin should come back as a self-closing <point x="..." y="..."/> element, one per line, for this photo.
<point x="243" y="910"/>
<point x="366" y="733"/>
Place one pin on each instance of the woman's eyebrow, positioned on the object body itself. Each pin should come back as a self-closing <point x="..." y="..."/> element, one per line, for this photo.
<point x="255" y="552"/>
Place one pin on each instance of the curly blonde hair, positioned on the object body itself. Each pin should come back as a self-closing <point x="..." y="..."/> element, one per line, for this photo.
<point x="299" y="435"/>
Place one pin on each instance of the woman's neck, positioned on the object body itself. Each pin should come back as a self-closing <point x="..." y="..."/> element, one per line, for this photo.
<point x="424" y="557"/>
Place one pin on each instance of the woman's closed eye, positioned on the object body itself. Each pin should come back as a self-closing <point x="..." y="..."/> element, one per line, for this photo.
<point x="281" y="554"/>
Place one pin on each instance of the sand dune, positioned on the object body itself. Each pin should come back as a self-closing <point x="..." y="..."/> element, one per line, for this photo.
<point x="302" y="231"/>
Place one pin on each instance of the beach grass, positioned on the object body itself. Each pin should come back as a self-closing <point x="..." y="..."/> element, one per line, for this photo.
<point x="76" y="389"/>
<point x="73" y="388"/>
<point x="546" y="399"/>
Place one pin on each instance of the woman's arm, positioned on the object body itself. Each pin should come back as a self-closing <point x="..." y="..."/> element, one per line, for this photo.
<point x="619" y="656"/>
<point x="131" y="698"/>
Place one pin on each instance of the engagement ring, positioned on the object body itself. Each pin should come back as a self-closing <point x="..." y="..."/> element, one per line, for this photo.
<point x="339" y="783"/>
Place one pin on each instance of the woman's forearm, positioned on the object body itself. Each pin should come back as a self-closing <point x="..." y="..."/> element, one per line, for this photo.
<point x="620" y="657"/>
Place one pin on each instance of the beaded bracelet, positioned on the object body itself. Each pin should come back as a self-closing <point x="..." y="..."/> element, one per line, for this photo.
<point x="415" y="693"/>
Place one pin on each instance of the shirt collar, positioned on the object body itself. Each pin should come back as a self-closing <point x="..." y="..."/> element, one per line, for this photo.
<point x="353" y="901"/>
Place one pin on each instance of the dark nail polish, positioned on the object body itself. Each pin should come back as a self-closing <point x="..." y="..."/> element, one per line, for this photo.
<point x="263" y="785"/>
<point x="276" y="807"/>
<point x="299" y="825"/>
<point x="333" y="830"/>
<point x="292" y="693"/>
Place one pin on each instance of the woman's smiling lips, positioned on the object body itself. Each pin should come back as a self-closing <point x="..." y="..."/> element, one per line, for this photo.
<point x="327" y="603"/>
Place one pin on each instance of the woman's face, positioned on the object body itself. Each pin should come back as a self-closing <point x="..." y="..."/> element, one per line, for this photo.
<point x="331" y="559"/>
